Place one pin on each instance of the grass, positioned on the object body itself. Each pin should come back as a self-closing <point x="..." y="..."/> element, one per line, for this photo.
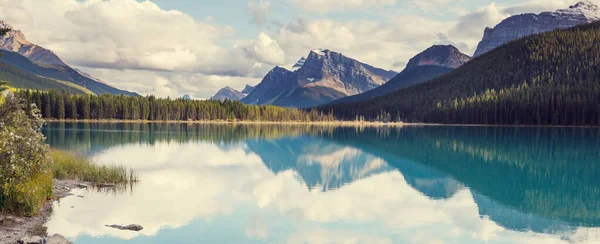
<point x="70" y="166"/>
<point x="28" y="198"/>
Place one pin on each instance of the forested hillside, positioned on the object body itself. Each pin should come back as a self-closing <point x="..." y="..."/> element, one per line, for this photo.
<point x="62" y="73"/>
<point x="22" y="79"/>
<point x="62" y="105"/>
<point x="546" y="79"/>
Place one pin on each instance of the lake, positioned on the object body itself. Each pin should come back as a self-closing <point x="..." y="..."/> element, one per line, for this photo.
<point x="206" y="183"/>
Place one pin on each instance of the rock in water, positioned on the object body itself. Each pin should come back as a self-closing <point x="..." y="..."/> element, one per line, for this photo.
<point x="523" y="25"/>
<point x="127" y="227"/>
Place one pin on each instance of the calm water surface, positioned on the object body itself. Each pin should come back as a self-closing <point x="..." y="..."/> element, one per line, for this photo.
<point x="302" y="184"/>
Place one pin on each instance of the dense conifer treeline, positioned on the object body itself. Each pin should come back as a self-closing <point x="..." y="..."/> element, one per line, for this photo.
<point x="62" y="105"/>
<point x="547" y="79"/>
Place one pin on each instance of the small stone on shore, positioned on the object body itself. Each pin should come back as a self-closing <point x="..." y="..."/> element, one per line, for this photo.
<point x="55" y="239"/>
<point x="30" y="240"/>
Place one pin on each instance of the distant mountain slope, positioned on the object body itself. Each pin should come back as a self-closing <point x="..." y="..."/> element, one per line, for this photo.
<point x="17" y="77"/>
<point x="228" y="93"/>
<point x="247" y="90"/>
<point x="431" y="63"/>
<point x="549" y="79"/>
<point x="45" y="63"/>
<point x="322" y="77"/>
<point x="528" y="24"/>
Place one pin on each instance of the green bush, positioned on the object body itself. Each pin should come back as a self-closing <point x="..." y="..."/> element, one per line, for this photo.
<point x="25" y="175"/>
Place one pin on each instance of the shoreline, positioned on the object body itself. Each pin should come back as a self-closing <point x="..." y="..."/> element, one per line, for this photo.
<point x="316" y="123"/>
<point x="14" y="228"/>
<point x="319" y="123"/>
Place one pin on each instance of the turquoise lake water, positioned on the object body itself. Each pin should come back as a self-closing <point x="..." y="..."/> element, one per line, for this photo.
<point x="309" y="184"/>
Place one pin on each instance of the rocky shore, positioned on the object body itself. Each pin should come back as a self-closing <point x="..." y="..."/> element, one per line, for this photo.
<point x="30" y="230"/>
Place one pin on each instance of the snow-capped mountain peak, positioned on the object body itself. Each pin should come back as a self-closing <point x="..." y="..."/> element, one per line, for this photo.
<point x="587" y="8"/>
<point x="321" y="77"/>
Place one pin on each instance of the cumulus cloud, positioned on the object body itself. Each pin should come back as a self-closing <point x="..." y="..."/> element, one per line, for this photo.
<point x="152" y="46"/>
<point x="381" y="44"/>
<point x="258" y="11"/>
<point x="125" y="34"/>
<point x="170" y="84"/>
<point x="136" y="45"/>
<point x="265" y="50"/>
<point x="323" y="6"/>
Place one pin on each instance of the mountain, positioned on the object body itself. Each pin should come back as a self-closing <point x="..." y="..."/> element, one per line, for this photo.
<point x="186" y="97"/>
<point x="247" y="90"/>
<point x="47" y="64"/>
<point x="20" y="78"/>
<point x="228" y="93"/>
<point x="322" y="77"/>
<point x="431" y="63"/>
<point x="232" y="94"/>
<point x="528" y="24"/>
<point x="545" y="79"/>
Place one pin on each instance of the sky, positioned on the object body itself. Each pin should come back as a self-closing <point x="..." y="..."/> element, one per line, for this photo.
<point x="171" y="48"/>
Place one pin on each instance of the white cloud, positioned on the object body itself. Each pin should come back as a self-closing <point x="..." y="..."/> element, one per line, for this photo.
<point x="140" y="47"/>
<point x="381" y="44"/>
<point x="157" y="50"/>
<point x="258" y="11"/>
<point x="125" y="34"/>
<point x="170" y="84"/>
<point x="265" y="50"/>
<point x="323" y="6"/>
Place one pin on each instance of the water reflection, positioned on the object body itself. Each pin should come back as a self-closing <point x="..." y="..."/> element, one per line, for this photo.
<point x="306" y="184"/>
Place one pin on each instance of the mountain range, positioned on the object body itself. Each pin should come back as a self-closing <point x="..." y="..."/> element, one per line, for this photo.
<point x="297" y="87"/>
<point x="322" y="77"/>
<point x="546" y="79"/>
<point x="41" y="62"/>
<point x="431" y="63"/>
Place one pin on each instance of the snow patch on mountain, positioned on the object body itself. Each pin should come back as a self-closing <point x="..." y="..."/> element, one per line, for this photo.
<point x="320" y="52"/>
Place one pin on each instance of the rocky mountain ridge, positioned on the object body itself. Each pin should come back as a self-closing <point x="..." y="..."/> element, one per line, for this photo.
<point x="429" y="64"/>
<point x="523" y="25"/>
<point x="47" y="64"/>
<point x="322" y="77"/>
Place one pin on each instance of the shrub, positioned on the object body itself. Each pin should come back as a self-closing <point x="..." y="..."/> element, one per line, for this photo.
<point x="25" y="176"/>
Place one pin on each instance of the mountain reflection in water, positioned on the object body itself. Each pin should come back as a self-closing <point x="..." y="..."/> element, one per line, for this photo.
<point x="311" y="184"/>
